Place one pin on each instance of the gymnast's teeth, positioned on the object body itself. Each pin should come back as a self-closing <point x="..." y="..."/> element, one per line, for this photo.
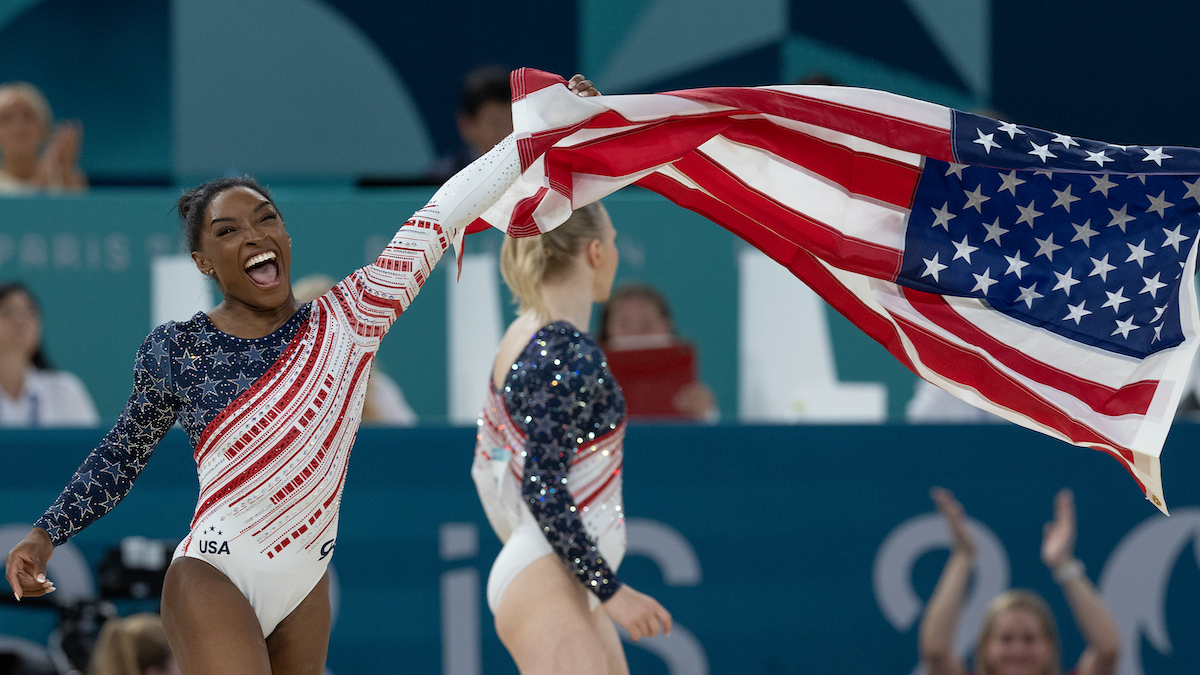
<point x="260" y="258"/>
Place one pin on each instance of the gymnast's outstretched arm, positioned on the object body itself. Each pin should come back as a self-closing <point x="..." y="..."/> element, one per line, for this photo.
<point x="381" y="291"/>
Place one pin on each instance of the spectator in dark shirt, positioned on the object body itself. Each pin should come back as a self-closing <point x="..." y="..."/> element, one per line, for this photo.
<point x="484" y="119"/>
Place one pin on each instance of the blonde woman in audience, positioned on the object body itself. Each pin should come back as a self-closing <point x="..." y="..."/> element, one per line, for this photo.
<point x="1018" y="635"/>
<point x="34" y="154"/>
<point x="134" y="645"/>
<point x="548" y="462"/>
<point x="385" y="404"/>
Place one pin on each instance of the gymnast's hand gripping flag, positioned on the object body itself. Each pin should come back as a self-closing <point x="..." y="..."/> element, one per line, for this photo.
<point x="1041" y="277"/>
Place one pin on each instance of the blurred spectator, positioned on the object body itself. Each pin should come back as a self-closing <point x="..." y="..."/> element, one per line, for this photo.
<point x="31" y="394"/>
<point x="385" y="404"/>
<point x="1018" y="636"/>
<point x="135" y="645"/>
<point x="637" y="319"/>
<point x="484" y="119"/>
<point x="36" y="155"/>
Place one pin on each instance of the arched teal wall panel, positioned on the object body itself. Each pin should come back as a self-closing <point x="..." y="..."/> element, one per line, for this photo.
<point x="803" y="56"/>
<point x="962" y="29"/>
<point x="287" y="89"/>
<point x="669" y="37"/>
<point x="432" y="45"/>
<point x="886" y="31"/>
<point x="11" y="9"/>
<point x="759" y="66"/>
<point x="602" y="25"/>
<point x="1117" y="71"/>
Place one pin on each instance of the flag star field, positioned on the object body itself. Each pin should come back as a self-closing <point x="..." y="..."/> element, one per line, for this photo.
<point x="1096" y="258"/>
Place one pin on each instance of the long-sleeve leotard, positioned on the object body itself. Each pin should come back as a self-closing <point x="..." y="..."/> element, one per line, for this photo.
<point x="272" y="420"/>
<point x="561" y="397"/>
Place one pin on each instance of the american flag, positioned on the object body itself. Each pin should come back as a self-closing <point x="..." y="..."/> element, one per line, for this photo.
<point x="1042" y="277"/>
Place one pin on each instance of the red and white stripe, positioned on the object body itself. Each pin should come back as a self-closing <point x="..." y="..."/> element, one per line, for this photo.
<point x="273" y="463"/>
<point x="821" y="179"/>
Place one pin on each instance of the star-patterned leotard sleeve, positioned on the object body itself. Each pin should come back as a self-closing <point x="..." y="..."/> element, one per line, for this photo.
<point x="107" y="474"/>
<point x="187" y="371"/>
<point x="562" y="392"/>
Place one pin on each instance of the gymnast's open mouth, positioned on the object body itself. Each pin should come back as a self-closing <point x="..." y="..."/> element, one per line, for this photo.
<point x="263" y="270"/>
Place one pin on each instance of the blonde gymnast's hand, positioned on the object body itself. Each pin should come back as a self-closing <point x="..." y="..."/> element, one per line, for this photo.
<point x="638" y="613"/>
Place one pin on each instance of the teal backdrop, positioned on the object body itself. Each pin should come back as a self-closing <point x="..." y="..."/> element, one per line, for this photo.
<point x="799" y="549"/>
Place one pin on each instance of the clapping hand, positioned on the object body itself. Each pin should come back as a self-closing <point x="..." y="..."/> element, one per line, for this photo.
<point x="59" y="164"/>
<point x="956" y="520"/>
<point x="1058" y="535"/>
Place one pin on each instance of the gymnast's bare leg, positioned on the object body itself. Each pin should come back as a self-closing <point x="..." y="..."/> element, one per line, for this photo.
<point x="213" y="630"/>
<point x="544" y="622"/>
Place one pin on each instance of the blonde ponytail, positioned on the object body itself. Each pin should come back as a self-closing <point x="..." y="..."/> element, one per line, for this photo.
<point x="526" y="262"/>
<point x="131" y="645"/>
<point x="522" y="264"/>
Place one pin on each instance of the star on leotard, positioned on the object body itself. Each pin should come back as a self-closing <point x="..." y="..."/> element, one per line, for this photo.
<point x="243" y="383"/>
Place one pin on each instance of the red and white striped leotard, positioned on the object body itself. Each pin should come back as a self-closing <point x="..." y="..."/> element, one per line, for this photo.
<point x="272" y="462"/>
<point x="272" y="465"/>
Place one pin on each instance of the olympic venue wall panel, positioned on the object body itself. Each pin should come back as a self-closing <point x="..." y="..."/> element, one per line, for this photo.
<point x="777" y="549"/>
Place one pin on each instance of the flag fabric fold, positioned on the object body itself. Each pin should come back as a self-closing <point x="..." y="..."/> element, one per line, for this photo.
<point x="1042" y="277"/>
